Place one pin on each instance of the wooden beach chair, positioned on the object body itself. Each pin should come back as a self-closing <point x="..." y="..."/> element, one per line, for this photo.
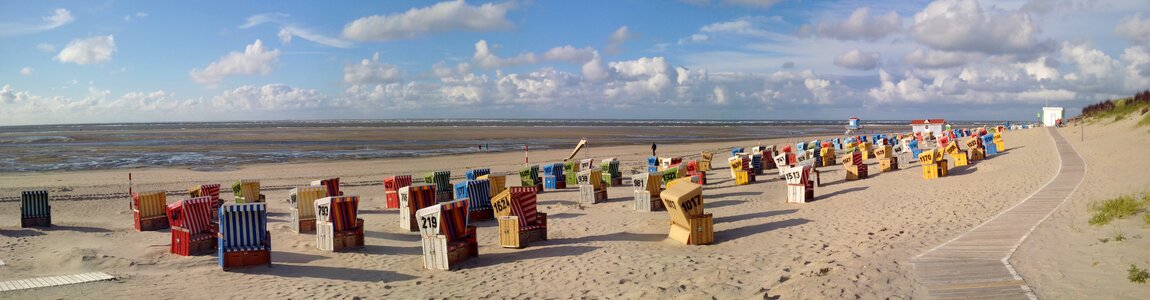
<point x="571" y="171"/>
<point x="211" y="191"/>
<point x="331" y="185"/>
<point x="691" y="168"/>
<point x="886" y="160"/>
<point x="553" y="178"/>
<point x="989" y="146"/>
<point x="391" y="186"/>
<point x="35" y="210"/>
<point x="443" y="187"/>
<point x="301" y="201"/>
<point x="447" y="237"/>
<point x="338" y="225"/>
<point x="498" y="183"/>
<point x="999" y="142"/>
<point x="520" y="222"/>
<point x="933" y="166"/>
<point x="827" y="155"/>
<point x="243" y="238"/>
<point x="957" y="156"/>
<point x="477" y="193"/>
<point x="148" y="210"/>
<point x="611" y="174"/>
<point x="591" y="187"/>
<point x="192" y="230"/>
<point x="411" y="199"/>
<point x="247" y="191"/>
<point x="586" y="164"/>
<point x="474" y="174"/>
<point x="854" y="165"/>
<point x="647" y="189"/>
<point x="529" y="177"/>
<point x="689" y="224"/>
<point x="800" y="187"/>
<point x="705" y="161"/>
<point x="974" y="149"/>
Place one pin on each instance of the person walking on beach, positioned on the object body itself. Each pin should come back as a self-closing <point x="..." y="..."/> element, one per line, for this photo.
<point x="652" y="149"/>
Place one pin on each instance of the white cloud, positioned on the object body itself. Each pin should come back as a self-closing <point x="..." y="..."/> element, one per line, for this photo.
<point x="640" y="78"/>
<point x="694" y="38"/>
<point x="370" y="71"/>
<point x="256" y="59"/>
<point x="860" y="26"/>
<point x="45" y="47"/>
<point x="1134" y="28"/>
<point x="441" y="17"/>
<point x="570" y="54"/>
<point x="935" y="59"/>
<point x="962" y="25"/>
<point x="11" y="96"/>
<point x="60" y="17"/>
<point x="91" y="50"/>
<point x="858" y="60"/>
<point x="26" y="71"/>
<point x="289" y="30"/>
<point x="618" y="37"/>
<point x="594" y="70"/>
<point x="544" y="86"/>
<point x="269" y="97"/>
<point x="741" y="26"/>
<point x="137" y="15"/>
<point x="485" y="58"/>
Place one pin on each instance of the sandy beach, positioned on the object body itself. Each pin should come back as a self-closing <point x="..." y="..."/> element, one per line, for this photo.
<point x="855" y="240"/>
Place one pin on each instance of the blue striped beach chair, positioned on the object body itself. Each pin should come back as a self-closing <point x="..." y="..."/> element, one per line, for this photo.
<point x="243" y="237"/>
<point x="34" y="209"/>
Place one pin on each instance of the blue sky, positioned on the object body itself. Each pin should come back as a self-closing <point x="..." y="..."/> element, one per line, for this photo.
<point x="133" y="61"/>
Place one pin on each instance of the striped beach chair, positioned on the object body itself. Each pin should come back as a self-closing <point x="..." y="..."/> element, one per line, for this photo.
<point x="442" y="181"/>
<point x="855" y="165"/>
<point x="302" y="207"/>
<point x="192" y="232"/>
<point x="34" y="209"/>
<point x="411" y="199"/>
<point x="148" y="210"/>
<point x="208" y="190"/>
<point x="591" y="187"/>
<point x="474" y="174"/>
<point x="244" y="239"/>
<point x="247" y="191"/>
<point x="800" y="186"/>
<point x="331" y="185"/>
<point x="391" y="186"/>
<point x="477" y="193"/>
<point x="447" y="237"/>
<point x="338" y="226"/>
<point x="689" y="224"/>
<point x="529" y="176"/>
<point x="520" y="222"/>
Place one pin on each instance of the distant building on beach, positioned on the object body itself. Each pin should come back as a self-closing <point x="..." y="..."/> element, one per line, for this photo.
<point x="933" y="125"/>
<point x="1051" y="115"/>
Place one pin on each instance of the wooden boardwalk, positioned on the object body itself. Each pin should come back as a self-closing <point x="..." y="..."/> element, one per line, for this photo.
<point x="974" y="265"/>
<point x="23" y="284"/>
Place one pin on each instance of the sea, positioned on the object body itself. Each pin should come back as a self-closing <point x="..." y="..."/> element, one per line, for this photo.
<point x="210" y="146"/>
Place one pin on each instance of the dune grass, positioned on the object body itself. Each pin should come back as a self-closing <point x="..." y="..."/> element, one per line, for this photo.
<point x="1117" y="208"/>
<point x="1136" y="274"/>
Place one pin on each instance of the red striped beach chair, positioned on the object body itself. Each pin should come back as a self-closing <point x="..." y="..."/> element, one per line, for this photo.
<point x="855" y="166"/>
<point x="520" y="222"/>
<point x="800" y="187"/>
<point x="192" y="232"/>
<point x="148" y="210"/>
<point x="689" y="224"/>
<point x="337" y="224"/>
<point x="391" y="186"/>
<point x="331" y="184"/>
<point x="302" y="207"/>
<point x="244" y="239"/>
<point x="447" y="237"/>
<point x="209" y="190"/>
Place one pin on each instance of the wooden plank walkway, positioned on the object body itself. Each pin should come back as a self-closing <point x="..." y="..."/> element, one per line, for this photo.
<point x="23" y="284"/>
<point x="974" y="265"/>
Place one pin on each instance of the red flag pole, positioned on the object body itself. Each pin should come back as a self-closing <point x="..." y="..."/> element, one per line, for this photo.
<point x="129" y="190"/>
<point x="525" y="160"/>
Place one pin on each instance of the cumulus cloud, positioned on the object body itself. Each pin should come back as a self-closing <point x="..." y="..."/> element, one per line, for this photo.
<point x="256" y="59"/>
<point x="594" y="70"/>
<point x="962" y="25"/>
<point x="26" y="71"/>
<point x="289" y="29"/>
<point x="269" y="97"/>
<point x="441" y="17"/>
<point x="858" y="60"/>
<point x="618" y="37"/>
<point x="860" y="25"/>
<point x="60" y="17"/>
<point x="569" y="54"/>
<point x="1134" y="28"/>
<point x="934" y="59"/>
<point x="370" y="71"/>
<point x="91" y="50"/>
<point x="8" y="95"/>
<point x="485" y="58"/>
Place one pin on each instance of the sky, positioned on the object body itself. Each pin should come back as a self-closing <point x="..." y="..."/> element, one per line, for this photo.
<point x="161" y="61"/>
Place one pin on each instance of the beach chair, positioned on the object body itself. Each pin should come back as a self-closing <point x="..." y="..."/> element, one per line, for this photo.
<point x="591" y="187"/>
<point x="827" y="155"/>
<point x="391" y="186"/>
<point x="443" y="186"/>
<point x="800" y="187"/>
<point x="736" y="165"/>
<point x="478" y="195"/>
<point x="148" y="210"/>
<point x="886" y="160"/>
<point x="611" y="174"/>
<point x="865" y="149"/>
<point x="974" y="149"/>
<point x="691" y="168"/>
<point x="331" y="185"/>
<point x="243" y="238"/>
<point x="338" y="225"/>
<point x="705" y="159"/>
<point x="999" y="142"/>
<point x="854" y="165"/>
<point x="474" y="174"/>
<point x="192" y="230"/>
<point x="529" y="177"/>
<point x="553" y="178"/>
<point x="446" y="236"/>
<point x="689" y="224"/>
<point x="989" y="146"/>
<point x="652" y="164"/>
<point x="34" y="209"/>
<point x="571" y="171"/>
<point x="957" y="156"/>
<point x="520" y="223"/>
<point x="411" y="199"/>
<point x="207" y="190"/>
<point x="933" y="166"/>
<point x="647" y="189"/>
<point x="586" y="164"/>
<point x="498" y="183"/>
<point x="247" y="191"/>
<point x="301" y="201"/>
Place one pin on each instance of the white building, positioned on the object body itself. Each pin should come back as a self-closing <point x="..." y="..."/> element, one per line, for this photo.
<point x="933" y="125"/>
<point x="1050" y="115"/>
